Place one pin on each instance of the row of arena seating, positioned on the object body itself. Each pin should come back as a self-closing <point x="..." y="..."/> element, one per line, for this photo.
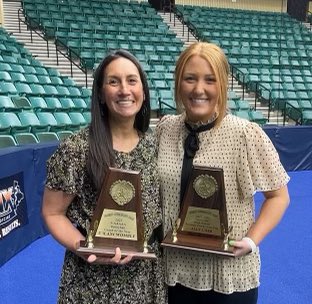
<point x="31" y="138"/>
<point x="271" y="53"/>
<point x="35" y="99"/>
<point x="37" y="103"/>
<point x="107" y="25"/>
<point x="18" y="103"/>
<point x="28" y="121"/>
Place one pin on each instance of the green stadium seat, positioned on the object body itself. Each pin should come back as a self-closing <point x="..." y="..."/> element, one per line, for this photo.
<point x="29" y="70"/>
<point x="23" y="88"/>
<point x="232" y="95"/>
<point x="44" y="79"/>
<point x="242" y="104"/>
<point x="53" y="72"/>
<point x="5" y="76"/>
<point x="31" y="119"/>
<point x="37" y="90"/>
<point x="6" y="67"/>
<point x="307" y="117"/>
<point x="21" y="103"/>
<point x="154" y="99"/>
<point x="47" y="118"/>
<point x="85" y="93"/>
<point x="53" y="104"/>
<point x="80" y="104"/>
<point x="46" y="136"/>
<point x="17" y="68"/>
<point x="243" y="114"/>
<point x="25" y="138"/>
<point x="68" y="82"/>
<point x="73" y="91"/>
<point x="37" y="103"/>
<point x="50" y="90"/>
<point x="87" y="116"/>
<point x="56" y="80"/>
<point x="67" y="104"/>
<point x="305" y="104"/>
<point x="18" y="77"/>
<point x="62" y="135"/>
<point x="160" y="84"/>
<point x="6" y="104"/>
<point x="232" y="105"/>
<point x="257" y="116"/>
<point x="8" y="88"/>
<point x="31" y="79"/>
<point x="7" y="140"/>
<point x="77" y="119"/>
<point x="9" y="123"/>
<point x="63" y="119"/>
<point x="62" y="91"/>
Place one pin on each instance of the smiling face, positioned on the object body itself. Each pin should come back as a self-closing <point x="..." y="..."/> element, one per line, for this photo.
<point x="122" y="89"/>
<point x="198" y="90"/>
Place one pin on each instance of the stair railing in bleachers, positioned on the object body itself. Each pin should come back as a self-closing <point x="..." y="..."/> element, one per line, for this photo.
<point x="292" y="112"/>
<point x="67" y="52"/>
<point x="162" y="110"/>
<point x="32" y="25"/>
<point x="177" y="13"/>
<point x="259" y="90"/>
<point x="239" y="75"/>
<point x="167" y="7"/>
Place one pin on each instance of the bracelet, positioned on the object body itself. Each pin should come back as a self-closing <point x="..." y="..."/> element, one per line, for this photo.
<point x="251" y="243"/>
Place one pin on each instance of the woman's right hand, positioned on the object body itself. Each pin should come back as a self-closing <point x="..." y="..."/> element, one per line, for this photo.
<point x="117" y="259"/>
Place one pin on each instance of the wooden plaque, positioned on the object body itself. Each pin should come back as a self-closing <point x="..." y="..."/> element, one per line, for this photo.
<point x="202" y="224"/>
<point x="118" y="219"/>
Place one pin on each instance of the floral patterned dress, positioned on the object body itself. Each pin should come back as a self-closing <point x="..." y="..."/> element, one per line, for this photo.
<point x="138" y="282"/>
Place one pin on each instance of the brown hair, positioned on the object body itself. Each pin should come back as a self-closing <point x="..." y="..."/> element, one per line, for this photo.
<point x="219" y="65"/>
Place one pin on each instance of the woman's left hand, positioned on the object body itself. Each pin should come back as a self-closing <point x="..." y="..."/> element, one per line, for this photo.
<point x="241" y="247"/>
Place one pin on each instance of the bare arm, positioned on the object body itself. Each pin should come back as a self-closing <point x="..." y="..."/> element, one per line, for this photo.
<point x="272" y="211"/>
<point x="55" y="205"/>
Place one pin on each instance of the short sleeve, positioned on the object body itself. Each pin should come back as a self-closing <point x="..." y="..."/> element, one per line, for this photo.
<point x="160" y="126"/>
<point x="259" y="166"/>
<point x="66" y="167"/>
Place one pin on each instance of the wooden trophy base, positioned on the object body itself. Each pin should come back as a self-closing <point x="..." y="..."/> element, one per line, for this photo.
<point x="109" y="252"/>
<point x="197" y="243"/>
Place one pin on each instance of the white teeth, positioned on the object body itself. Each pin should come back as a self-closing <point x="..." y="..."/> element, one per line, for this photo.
<point x="200" y="100"/>
<point x="125" y="101"/>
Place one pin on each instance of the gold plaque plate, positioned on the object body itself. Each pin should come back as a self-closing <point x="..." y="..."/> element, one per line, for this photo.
<point x="202" y="220"/>
<point x="118" y="224"/>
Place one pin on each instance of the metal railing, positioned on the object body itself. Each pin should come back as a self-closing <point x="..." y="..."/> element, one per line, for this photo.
<point x="29" y="22"/>
<point x="161" y="109"/>
<point x="71" y="55"/>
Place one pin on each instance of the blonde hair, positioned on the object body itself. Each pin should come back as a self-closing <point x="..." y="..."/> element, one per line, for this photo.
<point x="219" y="65"/>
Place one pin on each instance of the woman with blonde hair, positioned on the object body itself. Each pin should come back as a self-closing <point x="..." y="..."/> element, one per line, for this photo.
<point x="205" y="134"/>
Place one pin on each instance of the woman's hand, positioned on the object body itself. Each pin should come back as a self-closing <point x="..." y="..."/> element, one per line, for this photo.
<point x="115" y="260"/>
<point x="243" y="247"/>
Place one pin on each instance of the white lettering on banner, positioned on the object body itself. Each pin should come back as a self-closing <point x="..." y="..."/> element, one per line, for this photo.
<point x="6" y="230"/>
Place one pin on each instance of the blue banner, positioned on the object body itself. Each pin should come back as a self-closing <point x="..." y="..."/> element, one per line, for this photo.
<point x="13" y="205"/>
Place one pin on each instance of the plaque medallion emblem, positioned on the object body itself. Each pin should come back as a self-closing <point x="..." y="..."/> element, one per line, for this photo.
<point x="122" y="192"/>
<point x="205" y="185"/>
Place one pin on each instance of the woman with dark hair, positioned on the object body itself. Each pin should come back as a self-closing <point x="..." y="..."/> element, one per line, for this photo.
<point x="120" y="114"/>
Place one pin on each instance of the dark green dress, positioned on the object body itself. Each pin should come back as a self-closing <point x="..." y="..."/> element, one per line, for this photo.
<point x="138" y="282"/>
